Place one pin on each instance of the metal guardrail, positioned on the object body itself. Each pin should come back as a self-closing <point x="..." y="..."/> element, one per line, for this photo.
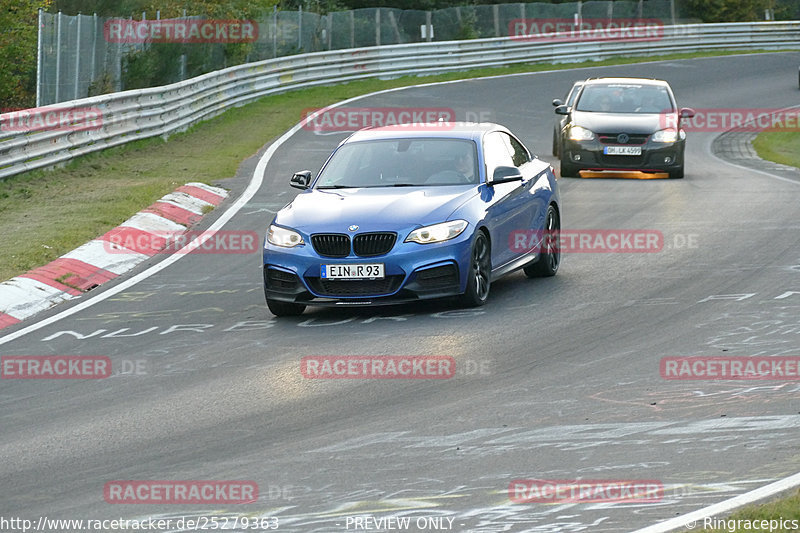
<point x="132" y="115"/>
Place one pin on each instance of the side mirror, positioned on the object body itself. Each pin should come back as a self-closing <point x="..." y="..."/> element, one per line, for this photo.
<point x="505" y="174"/>
<point x="300" y="180"/>
<point x="686" y="112"/>
<point x="557" y="102"/>
<point x="562" y="110"/>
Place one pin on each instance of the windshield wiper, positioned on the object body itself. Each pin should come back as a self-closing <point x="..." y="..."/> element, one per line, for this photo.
<point x="337" y="187"/>
<point x="405" y="185"/>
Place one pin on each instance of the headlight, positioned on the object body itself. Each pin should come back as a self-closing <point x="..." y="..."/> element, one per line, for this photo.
<point x="669" y="135"/>
<point x="437" y="232"/>
<point x="283" y="237"/>
<point x="577" y="133"/>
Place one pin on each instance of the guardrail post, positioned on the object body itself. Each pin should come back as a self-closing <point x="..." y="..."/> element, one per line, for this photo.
<point x="58" y="58"/>
<point x="77" y="60"/>
<point x="93" y="68"/>
<point x="428" y="26"/>
<point x="352" y="29"/>
<point x="118" y="65"/>
<point x="377" y="26"/>
<point x="39" y="60"/>
<point x="393" y="24"/>
<point x="300" y="29"/>
<point x="275" y="31"/>
<point x="182" y="60"/>
<point x="496" y="16"/>
<point x="329" y="22"/>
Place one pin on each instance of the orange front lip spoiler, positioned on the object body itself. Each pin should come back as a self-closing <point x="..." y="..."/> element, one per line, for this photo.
<point x="632" y="174"/>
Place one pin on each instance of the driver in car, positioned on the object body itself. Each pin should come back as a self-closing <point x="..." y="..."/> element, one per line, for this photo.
<point x="461" y="172"/>
<point x="465" y="165"/>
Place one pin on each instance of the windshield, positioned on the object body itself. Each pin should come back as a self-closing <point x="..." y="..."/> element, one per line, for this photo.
<point x="401" y="163"/>
<point x="624" y="98"/>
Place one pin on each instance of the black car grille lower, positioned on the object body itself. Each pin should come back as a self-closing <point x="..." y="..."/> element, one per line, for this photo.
<point x="633" y="138"/>
<point x="364" y="244"/>
<point x="438" y="277"/>
<point x="367" y="287"/>
<point x="372" y="244"/>
<point x="278" y="280"/>
<point x="622" y="161"/>
<point x="331" y="244"/>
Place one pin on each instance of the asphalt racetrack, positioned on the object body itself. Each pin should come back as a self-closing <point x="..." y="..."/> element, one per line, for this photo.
<point x="557" y="378"/>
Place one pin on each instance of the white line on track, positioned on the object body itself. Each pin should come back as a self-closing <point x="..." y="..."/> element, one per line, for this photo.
<point x="694" y="520"/>
<point x="762" y="172"/>
<point x="751" y="169"/>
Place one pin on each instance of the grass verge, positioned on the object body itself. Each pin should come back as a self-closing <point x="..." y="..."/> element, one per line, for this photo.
<point x="45" y="214"/>
<point x="769" y="515"/>
<point x="779" y="146"/>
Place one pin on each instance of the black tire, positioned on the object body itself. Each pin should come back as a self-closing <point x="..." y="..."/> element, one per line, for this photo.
<point x="550" y="257"/>
<point x="555" y="144"/>
<point x="278" y="308"/>
<point x="567" y="169"/>
<point x="676" y="174"/>
<point x="480" y="272"/>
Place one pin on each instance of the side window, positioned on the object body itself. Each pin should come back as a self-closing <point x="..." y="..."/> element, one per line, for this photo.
<point x="496" y="152"/>
<point x="570" y="99"/>
<point x="519" y="155"/>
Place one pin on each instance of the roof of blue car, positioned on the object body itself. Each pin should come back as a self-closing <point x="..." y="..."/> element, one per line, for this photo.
<point x="450" y="130"/>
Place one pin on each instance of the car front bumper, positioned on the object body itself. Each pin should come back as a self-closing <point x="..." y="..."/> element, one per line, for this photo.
<point x="413" y="272"/>
<point x="655" y="157"/>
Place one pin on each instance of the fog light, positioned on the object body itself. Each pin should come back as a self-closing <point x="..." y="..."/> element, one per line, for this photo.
<point x="576" y="157"/>
<point x="668" y="160"/>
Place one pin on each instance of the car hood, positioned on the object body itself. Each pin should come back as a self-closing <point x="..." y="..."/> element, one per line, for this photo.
<point x="623" y="122"/>
<point x="372" y="209"/>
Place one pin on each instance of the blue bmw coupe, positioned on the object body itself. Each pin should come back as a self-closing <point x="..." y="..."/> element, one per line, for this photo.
<point x="401" y="214"/>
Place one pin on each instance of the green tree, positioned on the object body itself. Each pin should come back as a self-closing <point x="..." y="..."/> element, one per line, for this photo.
<point x="18" y="35"/>
<point x="167" y="8"/>
<point x="158" y="63"/>
<point x="726" y="10"/>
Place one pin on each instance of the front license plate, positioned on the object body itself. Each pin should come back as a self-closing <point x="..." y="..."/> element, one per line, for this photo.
<point x="364" y="271"/>
<point x="622" y="150"/>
